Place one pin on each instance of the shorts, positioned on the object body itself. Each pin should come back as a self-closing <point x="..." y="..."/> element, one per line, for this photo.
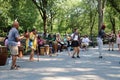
<point x="111" y="40"/>
<point x="84" y="45"/>
<point x="13" y="50"/>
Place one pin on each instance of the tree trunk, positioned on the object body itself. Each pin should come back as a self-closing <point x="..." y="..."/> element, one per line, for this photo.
<point x="100" y="12"/>
<point x="51" y="22"/>
<point x="45" y="23"/>
<point x="101" y="8"/>
<point x="112" y="20"/>
<point x="42" y="7"/>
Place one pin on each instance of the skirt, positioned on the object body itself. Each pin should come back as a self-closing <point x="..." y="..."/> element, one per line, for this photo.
<point x="75" y="44"/>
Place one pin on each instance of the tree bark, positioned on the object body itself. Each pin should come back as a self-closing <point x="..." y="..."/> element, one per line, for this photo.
<point x="100" y="17"/>
<point x="45" y="23"/>
<point x="42" y="7"/>
<point x="112" y="20"/>
<point x="101" y="8"/>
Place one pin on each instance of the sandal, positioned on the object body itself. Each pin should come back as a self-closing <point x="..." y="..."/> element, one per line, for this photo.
<point x="14" y="68"/>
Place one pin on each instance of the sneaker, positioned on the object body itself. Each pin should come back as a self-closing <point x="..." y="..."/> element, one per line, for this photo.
<point x="17" y="66"/>
<point x="112" y="49"/>
<point x="73" y="56"/>
<point x="78" y="56"/>
<point x="100" y="57"/>
<point x="108" y="49"/>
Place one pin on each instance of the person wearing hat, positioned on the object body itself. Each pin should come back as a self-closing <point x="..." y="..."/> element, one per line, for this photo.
<point x="100" y="37"/>
<point x="13" y="38"/>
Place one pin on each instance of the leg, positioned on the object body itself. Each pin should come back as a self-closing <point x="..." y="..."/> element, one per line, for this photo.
<point x="69" y="53"/>
<point x="112" y="46"/>
<point x="39" y="49"/>
<point x="61" y="47"/>
<point x="14" y="58"/>
<point x="75" y="51"/>
<point x="100" y="46"/>
<point x="109" y="46"/>
<point x="32" y="55"/>
<point x="14" y="53"/>
<point x="78" y="52"/>
<point x="119" y="47"/>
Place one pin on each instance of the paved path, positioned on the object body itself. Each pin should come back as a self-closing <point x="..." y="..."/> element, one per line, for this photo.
<point x="63" y="67"/>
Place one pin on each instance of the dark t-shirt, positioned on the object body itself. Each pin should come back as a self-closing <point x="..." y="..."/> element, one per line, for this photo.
<point x="101" y="33"/>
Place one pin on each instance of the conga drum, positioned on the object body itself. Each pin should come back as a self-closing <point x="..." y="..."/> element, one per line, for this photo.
<point x="20" y="48"/>
<point x="42" y="50"/>
<point x="46" y="49"/>
<point x="50" y="50"/>
<point x="55" y="46"/>
<point x="3" y="55"/>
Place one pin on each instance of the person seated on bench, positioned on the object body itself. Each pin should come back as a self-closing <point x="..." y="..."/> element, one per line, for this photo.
<point x="85" y="42"/>
<point x="59" y="41"/>
<point x="40" y="42"/>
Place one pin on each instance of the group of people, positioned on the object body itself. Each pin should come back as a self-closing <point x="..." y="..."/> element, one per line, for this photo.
<point x="34" y="41"/>
<point x="112" y="38"/>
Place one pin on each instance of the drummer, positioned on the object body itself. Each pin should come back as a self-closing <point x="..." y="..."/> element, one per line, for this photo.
<point x="40" y="42"/>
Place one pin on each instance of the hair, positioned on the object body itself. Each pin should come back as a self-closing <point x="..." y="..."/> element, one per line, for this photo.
<point x="33" y="29"/>
<point x="15" y="23"/>
<point x="103" y="26"/>
<point x="74" y="30"/>
<point x="39" y="36"/>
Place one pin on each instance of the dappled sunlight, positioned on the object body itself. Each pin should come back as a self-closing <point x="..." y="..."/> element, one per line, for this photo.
<point x="115" y="67"/>
<point x="59" y="78"/>
<point x="82" y="69"/>
<point x="91" y="77"/>
<point x="54" y="69"/>
<point x="63" y="67"/>
<point x="114" y="55"/>
<point x="49" y="59"/>
<point x="114" y="75"/>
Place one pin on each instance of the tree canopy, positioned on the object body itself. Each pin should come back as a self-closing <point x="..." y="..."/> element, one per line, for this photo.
<point x="52" y="16"/>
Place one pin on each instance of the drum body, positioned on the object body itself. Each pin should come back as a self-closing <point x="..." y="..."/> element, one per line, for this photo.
<point x="47" y="49"/>
<point x="42" y="50"/>
<point x="3" y="55"/>
<point x="55" y="47"/>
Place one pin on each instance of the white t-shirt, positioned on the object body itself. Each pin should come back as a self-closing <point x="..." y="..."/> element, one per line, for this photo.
<point x="75" y="38"/>
<point x="86" y="40"/>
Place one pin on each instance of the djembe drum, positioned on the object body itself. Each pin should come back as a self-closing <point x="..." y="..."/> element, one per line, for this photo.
<point x="50" y="50"/>
<point x="46" y="49"/>
<point x="42" y="50"/>
<point x="3" y="55"/>
<point x="55" y="47"/>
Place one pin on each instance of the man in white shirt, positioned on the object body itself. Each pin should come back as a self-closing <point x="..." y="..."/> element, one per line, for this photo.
<point x="85" y="42"/>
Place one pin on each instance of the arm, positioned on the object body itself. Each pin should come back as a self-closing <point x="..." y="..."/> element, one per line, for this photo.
<point x="18" y="37"/>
